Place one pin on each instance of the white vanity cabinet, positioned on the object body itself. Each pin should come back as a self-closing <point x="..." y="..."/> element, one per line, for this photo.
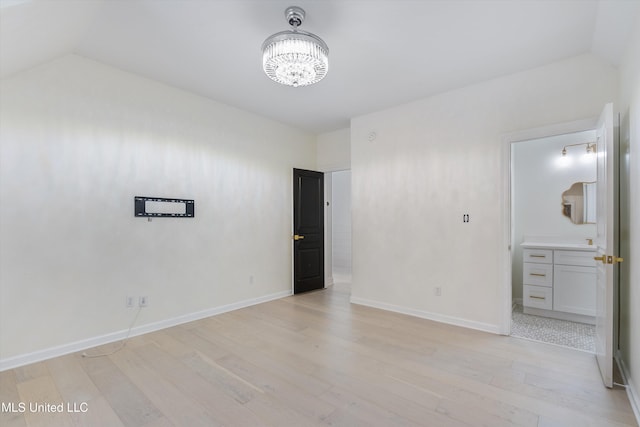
<point x="574" y="282"/>
<point x="559" y="281"/>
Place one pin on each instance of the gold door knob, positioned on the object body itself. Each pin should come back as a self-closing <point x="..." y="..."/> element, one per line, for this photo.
<point x="297" y="237"/>
<point x="608" y="259"/>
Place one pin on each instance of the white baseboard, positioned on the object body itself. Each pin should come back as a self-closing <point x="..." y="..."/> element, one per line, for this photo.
<point x="328" y="281"/>
<point x="61" y="350"/>
<point x="632" y="391"/>
<point x="456" y="321"/>
<point x="341" y="278"/>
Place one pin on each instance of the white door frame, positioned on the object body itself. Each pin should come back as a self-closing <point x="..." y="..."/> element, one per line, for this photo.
<point x="507" y="221"/>
<point x="328" y="227"/>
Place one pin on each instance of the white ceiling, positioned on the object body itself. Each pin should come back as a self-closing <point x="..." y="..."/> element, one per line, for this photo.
<point x="382" y="52"/>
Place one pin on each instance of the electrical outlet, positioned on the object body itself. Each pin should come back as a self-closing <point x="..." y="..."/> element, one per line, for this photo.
<point x="438" y="291"/>
<point x="143" y="301"/>
<point x="129" y="302"/>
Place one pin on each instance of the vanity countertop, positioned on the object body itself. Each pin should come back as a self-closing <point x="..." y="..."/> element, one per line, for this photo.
<point x="559" y="245"/>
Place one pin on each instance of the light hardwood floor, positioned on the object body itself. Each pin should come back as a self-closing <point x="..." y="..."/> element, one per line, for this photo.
<point x="315" y="359"/>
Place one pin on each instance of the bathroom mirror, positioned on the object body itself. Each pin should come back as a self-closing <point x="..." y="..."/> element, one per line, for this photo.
<point x="579" y="203"/>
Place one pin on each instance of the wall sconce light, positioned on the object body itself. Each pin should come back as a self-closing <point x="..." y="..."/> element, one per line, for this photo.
<point x="591" y="147"/>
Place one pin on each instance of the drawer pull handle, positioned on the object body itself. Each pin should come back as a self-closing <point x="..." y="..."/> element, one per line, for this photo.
<point x="538" y="256"/>
<point x="537" y="274"/>
<point x="534" y="297"/>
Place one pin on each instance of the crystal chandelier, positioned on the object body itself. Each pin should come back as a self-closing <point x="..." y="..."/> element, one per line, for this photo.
<point x="294" y="57"/>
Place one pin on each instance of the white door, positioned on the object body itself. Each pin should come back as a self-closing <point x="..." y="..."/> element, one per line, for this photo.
<point x="605" y="241"/>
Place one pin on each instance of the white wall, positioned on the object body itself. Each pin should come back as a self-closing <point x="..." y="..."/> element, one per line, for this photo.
<point x="78" y="141"/>
<point x="630" y="230"/>
<point x="341" y="213"/>
<point x="540" y="174"/>
<point x="433" y="161"/>
<point x="334" y="150"/>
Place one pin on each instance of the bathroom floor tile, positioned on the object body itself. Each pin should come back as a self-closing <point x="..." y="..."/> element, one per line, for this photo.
<point x="554" y="331"/>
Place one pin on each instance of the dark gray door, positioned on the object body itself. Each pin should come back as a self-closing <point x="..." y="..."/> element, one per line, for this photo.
<point x="308" y="229"/>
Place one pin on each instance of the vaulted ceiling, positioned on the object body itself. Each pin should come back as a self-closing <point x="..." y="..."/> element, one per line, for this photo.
<point x="382" y="52"/>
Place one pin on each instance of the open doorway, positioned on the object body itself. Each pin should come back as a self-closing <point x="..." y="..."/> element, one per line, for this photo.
<point x="341" y="226"/>
<point x="539" y="259"/>
<point x="553" y="273"/>
<point x="338" y="229"/>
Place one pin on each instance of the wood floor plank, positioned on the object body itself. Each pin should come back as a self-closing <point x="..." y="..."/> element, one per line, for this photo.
<point x="205" y="366"/>
<point x="550" y="408"/>
<point x="9" y="396"/>
<point x="98" y="412"/>
<point x="355" y="410"/>
<point x="226" y="409"/>
<point x="179" y="409"/>
<point x="301" y="401"/>
<point x="191" y="340"/>
<point x="271" y="356"/>
<point x="44" y="405"/>
<point x="29" y="372"/>
<point x="83" y="399"/>
<point x="275" y="412"/>
<point x="317" y="360"/>
<point x="566" y="399"/>
<point x="71" y="380"/>
<point x="132" y="406"/>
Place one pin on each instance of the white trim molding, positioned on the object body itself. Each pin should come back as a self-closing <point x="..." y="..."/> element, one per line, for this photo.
<point x="48" y="353"/>
<point x="450" y="320"/>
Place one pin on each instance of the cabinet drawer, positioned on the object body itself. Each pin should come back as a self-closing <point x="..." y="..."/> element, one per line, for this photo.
<point x="538" y="256"/>
<point x="581" y="258"/>
<point x="537" y="297"/>
<point x="537" y="274"/>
